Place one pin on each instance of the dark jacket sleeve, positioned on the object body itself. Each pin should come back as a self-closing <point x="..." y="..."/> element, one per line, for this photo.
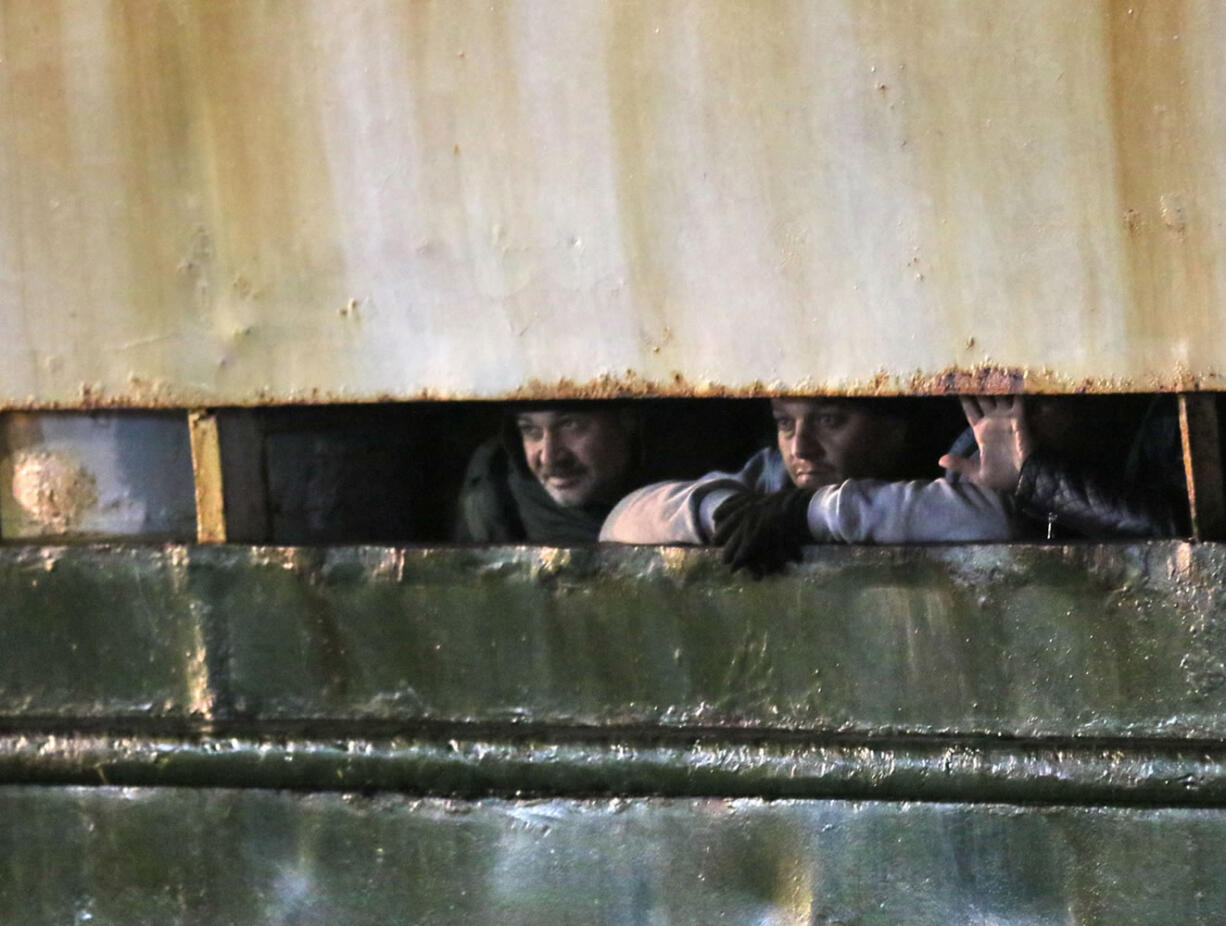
<point x="1091" y="505"/>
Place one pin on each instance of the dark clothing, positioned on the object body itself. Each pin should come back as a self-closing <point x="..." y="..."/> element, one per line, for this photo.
<point x="501" y="502"/>
<point x="1087" y="505"/>
<point x="1146" y="497"/>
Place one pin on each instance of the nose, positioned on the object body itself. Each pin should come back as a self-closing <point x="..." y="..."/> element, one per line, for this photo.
<point x="553" y="449"/>
<point x="806" y="442"/>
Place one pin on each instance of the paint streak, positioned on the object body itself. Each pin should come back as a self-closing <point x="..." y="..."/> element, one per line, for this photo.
<point x="637" y="118"/>
<point x="937" y="192"/>
<point x="1166" y="166"/>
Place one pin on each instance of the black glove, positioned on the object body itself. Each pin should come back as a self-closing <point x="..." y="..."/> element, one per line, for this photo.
<point x="763" y="533"/>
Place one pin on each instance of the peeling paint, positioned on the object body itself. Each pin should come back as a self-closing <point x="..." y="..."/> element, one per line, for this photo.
<point x="95" y="475"/>
<point x="53" y="491"/>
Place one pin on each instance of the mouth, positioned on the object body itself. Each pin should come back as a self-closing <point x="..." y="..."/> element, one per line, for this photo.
<point x="816" y="475"/>
<point x="562" y="480"/>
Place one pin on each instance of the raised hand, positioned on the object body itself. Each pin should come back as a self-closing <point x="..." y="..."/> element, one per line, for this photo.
<point x="999" y="423"/>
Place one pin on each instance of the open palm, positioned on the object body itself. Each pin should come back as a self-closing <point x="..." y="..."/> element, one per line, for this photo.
<point x="999" y="423"/>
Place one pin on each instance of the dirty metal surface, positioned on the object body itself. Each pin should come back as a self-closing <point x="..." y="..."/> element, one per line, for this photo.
<point x="1028" y="640"/>
<point x="471" y="762"/>
<point x="476" y="200"/>
<point x="1094" y="642"/>
<point x="217" y="734"/>
<point x="170" y="856"/>
<point x="99" y="632"/>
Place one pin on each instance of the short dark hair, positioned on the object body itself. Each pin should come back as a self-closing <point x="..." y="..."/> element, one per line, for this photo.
<point x="905" y="407"/>
<point x="514" y="443"/>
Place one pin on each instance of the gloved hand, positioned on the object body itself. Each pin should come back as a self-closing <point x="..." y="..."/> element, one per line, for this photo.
<point x="763" y="533"/>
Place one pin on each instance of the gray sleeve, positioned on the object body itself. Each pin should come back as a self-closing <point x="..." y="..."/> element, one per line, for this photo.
<point x="682" y="512"/>
<point x="921" y="511"/>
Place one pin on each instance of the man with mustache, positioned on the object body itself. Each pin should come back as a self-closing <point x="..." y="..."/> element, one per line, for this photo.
<point x="553" y="476"/>
<point x="832" y="476"/>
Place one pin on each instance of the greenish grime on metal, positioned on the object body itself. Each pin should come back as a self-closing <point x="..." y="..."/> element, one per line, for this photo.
<point x="202" y="856"/>
<point x="1016" y="641"/>
<point x="473" y="763"/>
<point x="518" y="735"/>
<point x="1060" y="673"/>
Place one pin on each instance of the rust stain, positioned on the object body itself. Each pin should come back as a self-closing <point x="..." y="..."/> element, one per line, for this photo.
<point x="1160" y="150"/>
<point x="157" y="132"/>
<point x="954" y="380"/>
<point x="635" y="113"/>
<point x="759" y="64"/>
<point x="262" y="168"/>
<point x="933" y="135"/>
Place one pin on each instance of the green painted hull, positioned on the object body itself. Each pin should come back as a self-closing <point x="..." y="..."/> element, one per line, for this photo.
<point x="168" y="855"/>
<point x="1021" y="734"/>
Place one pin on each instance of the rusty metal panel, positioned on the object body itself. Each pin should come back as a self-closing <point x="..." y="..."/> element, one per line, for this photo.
<point x="173" y="856"/>
<point x="211" y="202"/>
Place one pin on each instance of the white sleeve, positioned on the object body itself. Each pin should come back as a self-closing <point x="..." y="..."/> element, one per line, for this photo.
<point x="922" y="511"/>
<point x="683" y="512"/>
<point x="667" y="512"/>
<point x="855" y="511"/>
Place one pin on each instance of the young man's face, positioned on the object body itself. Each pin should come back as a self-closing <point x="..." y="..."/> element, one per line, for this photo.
<point x="826" y="441"/>
<point x="579" y="457"/>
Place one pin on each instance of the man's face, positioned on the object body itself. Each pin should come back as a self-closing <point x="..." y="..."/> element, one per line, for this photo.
<point x="826" y="441"/>
<point x="579" y="457"/>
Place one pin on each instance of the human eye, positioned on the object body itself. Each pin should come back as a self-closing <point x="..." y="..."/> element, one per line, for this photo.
<point x="529" y="431"/>
<point x="832" y="420"/>
<point x="784" y="424"/>
<point x="572" y="424"/>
